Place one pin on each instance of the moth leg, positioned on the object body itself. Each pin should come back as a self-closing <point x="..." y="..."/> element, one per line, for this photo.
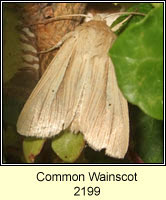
<point x="67" y="36"/>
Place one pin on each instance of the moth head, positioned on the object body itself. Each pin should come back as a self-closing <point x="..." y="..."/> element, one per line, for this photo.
<point x="109" y="19"/>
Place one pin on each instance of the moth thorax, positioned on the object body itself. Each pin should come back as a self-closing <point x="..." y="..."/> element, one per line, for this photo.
<point x="98" y="18"/>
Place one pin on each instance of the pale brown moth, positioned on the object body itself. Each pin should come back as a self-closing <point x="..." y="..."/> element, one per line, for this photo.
<point x="79" y="91"/>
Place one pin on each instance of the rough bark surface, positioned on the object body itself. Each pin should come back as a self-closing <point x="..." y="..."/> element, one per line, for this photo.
<point x="49" y="34"/>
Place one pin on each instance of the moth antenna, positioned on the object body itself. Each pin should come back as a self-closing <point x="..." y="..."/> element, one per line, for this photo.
<point x="117" y="26"/>
<point x="62" y="17"/>
<point x="127" y="13"/>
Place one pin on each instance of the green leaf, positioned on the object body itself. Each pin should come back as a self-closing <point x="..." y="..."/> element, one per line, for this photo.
<point x="157" y="4"/>
<point x="18" y="83"/>
<point x="136" y="7"/>
<point x="31" y="148"/>
<point x="11" y="138"/>
<point x="11" y="43"/>
<point x="16" y="92"/>
<point x="68" y="146"/>
<point x="148" y="137"/>
<point x="138" y="59"/>
<point x="12" y="143"/>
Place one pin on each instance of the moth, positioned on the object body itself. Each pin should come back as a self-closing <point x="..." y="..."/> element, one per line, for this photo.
<point x="79" y="91"/>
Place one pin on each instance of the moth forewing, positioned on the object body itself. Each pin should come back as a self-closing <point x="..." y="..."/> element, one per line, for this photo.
<point x="79" y="91"/>
<point x="36" y="114"/>
<point x="118" y="139"/>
